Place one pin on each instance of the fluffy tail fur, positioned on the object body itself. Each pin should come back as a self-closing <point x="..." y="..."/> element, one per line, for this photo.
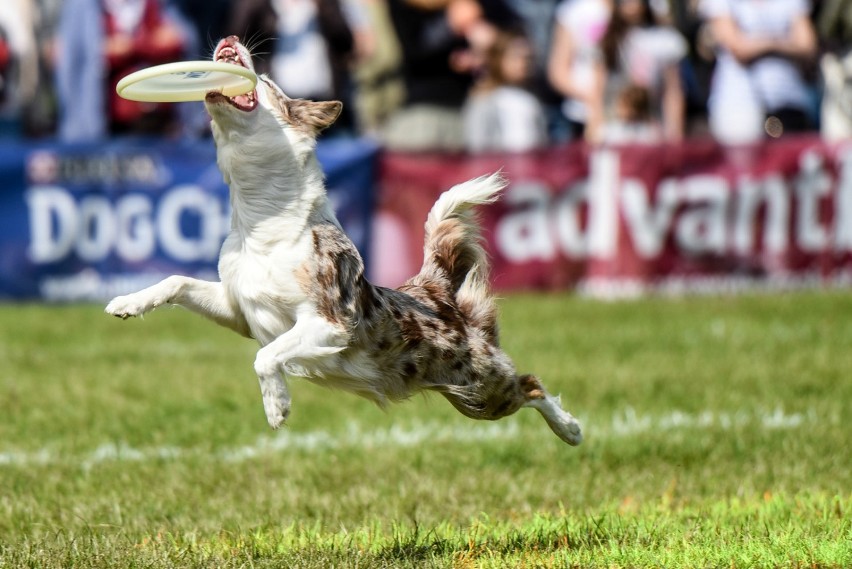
<point x="453" y="248"/>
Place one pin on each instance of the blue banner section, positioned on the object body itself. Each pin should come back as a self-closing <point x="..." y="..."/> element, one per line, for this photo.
<point x="91" y="222"/>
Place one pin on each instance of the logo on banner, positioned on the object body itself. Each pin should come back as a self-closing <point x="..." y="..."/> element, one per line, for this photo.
<point x="698" y="215"/>
<point x="133" y="227"/>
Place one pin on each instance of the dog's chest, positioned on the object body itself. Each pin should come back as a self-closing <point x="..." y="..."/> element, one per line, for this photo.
<point x="263" y="285"/>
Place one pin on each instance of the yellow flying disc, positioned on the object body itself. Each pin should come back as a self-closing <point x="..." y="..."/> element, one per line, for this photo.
<point x="186" y="81"/>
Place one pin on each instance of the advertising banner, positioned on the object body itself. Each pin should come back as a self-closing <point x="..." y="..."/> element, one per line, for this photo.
<point x="621" y="221"/>
<point x="92" y="222"/>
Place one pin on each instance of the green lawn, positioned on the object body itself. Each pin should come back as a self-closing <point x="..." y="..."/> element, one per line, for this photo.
<point x="717" y="435"/>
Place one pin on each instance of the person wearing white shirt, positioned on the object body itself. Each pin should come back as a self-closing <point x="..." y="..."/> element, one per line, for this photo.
<point x="758" y="87"/>
<point x="501" y="114"/>
<point x="639" y="54"/>
<point x="574" y="54"/>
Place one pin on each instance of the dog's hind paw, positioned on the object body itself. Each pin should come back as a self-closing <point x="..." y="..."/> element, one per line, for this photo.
<point x="566" y="428"/>
<point x="561" y="422"/>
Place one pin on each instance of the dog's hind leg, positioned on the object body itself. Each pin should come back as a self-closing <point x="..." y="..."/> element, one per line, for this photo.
<point x="507" y="394"/>
<point x="560" y="421"/>
<point x="309" y="338"/>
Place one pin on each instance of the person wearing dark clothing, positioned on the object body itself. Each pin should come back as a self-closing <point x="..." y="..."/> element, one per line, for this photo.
<point x="441" y="43"/>
<point x="209" y="18"/>
<point x="312" y="53"/>
<point x="254" y="21"/>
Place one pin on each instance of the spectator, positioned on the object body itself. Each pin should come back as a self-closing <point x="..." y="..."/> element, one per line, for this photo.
<point x="834" y="24"/>
<point x="19" y="69"/>
<point x="442" y="42"/>
<point x="574" y="53"/>
<point x="633" y="120"/>
<point x="99" y="43"/>
<point x="639" y="55"/>
<point x="313" y="51"/>
<point x="697" y="67"/>
<point x="255" y="22"/>
<point x="210" y="19"/>
<point x="537" y="21"/>
<point x="758" y="87"/>
<point x="501" y="114"/>
<point x="40" y="110"/>
<point x="379" y="90"/>
<point x="207" y="22"/>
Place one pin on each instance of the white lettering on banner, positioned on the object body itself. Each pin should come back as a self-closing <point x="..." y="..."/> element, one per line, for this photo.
<point x="703" y="213"/>
<point x="569" y="229"/>
<point x="648" y="225"/>
<point x="538" y="231"/>
<point x="184" y="199"/>
<point x="812" y="185"/>
<point x="47" y="204"/>
<point x="94" y="227"/>
<point x="135" y="240"/>
<point x="603" y="215"/>
<point x="776" y="225"/>
<point x="843" y="209"/>
<point x="701" y="227"/>
<point x="524" y="235"/>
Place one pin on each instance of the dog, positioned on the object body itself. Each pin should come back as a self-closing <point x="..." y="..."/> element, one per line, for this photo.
<point x="291" y="279"/>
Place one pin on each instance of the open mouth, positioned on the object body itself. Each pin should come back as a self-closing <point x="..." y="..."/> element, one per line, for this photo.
<point x="229" y="52"/>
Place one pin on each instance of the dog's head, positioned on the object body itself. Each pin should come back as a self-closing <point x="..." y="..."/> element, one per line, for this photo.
<point x="265" y="121"/>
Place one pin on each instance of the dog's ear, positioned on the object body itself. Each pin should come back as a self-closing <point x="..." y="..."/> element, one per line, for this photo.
<point x="313" y="115"/>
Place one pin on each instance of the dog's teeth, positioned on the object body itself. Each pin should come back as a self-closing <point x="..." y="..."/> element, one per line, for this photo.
<point x="227" y="54"/>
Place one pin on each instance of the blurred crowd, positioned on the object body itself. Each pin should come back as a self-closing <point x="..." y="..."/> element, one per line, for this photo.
<point x="451" y="75"/>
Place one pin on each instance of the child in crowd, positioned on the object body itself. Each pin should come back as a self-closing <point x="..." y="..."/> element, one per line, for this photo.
<point x="501" y="114"/>
<point x="633" y="120"/>
<point x="638" y="51"/>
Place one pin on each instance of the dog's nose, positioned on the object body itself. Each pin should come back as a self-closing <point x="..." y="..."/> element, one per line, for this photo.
<point x="232" y="40"/>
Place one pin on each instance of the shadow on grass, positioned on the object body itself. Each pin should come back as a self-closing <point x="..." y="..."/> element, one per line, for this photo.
<point x="480" y="541"/>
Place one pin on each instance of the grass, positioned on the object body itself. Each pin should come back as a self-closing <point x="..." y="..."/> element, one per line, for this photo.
<point x="717" y="435"/>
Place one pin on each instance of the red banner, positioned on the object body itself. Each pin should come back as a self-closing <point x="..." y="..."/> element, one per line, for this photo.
<point x="621" y="221"/>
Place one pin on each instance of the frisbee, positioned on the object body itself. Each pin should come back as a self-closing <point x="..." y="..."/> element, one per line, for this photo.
<point x="186" y="81"/>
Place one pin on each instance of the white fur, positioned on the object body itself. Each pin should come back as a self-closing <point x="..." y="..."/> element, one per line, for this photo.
<point x="272" y="205"/>
<point x="462" y="197"/>
<point x="283" y="227"/>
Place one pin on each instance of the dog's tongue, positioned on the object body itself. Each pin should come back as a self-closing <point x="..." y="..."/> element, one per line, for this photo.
<point x="242" y="100"/>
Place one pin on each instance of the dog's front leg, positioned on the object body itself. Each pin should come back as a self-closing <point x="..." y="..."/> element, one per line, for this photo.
<point x="202" y="297"/>
<point x="293" y="353"/>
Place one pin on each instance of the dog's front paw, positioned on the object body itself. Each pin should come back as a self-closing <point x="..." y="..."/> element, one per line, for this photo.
<point x="126" y="306"/>
<point x="146" y="300"/>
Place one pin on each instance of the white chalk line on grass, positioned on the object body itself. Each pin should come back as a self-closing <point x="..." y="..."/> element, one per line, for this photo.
<point x="626" y="423"/>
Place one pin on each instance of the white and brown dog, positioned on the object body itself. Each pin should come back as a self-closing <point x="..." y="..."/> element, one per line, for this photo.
<point x="292" y="280"/>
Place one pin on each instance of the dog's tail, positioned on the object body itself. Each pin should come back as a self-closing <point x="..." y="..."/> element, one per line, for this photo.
<point x="453" y="247"/>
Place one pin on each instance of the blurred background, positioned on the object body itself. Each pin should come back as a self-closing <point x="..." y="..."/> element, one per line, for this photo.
<point x="653" y="149"/>
<point x="648" y="143"/>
